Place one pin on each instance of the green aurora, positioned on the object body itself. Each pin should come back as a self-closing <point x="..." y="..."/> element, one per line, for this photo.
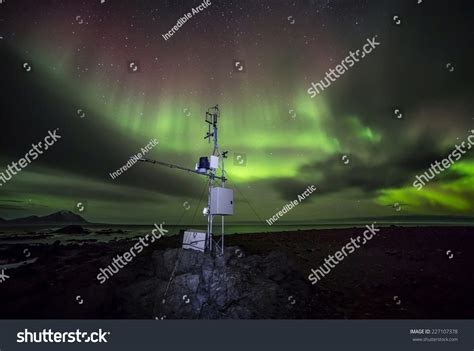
<point x="290" y="140"/>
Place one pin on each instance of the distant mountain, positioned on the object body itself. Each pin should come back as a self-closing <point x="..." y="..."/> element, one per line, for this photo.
<point x="61" y="217"/>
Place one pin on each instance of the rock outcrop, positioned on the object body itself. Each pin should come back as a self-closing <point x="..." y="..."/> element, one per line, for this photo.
<point x="232" y="286"/>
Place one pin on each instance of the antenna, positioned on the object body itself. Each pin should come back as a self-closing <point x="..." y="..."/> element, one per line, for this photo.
<point x="220" y="199"/>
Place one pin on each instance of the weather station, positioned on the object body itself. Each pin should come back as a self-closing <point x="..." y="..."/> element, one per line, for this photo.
<point x="220" y="200"/>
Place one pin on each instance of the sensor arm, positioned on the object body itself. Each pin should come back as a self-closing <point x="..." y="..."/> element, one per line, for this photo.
<point x="178" y="167"/>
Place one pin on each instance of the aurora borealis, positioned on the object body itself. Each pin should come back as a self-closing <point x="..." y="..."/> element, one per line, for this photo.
<point x="348" y="141"/>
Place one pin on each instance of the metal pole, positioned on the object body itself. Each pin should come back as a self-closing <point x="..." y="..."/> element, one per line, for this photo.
<point x="222" y="240"/>
<point x="209" y="217"/>
<point x="210" y="236"/>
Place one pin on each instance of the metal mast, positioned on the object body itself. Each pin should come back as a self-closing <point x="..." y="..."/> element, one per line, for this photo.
<point x="219" y="201"/>
<point x="212" y="115"/>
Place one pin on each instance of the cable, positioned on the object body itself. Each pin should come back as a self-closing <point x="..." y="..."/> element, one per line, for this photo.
<point x="200" y="199"/>
<point x="163" y="300"/>
<point x="180" y="218"/>
<point x="185" y="210"/>
<point x="255" y="212"/>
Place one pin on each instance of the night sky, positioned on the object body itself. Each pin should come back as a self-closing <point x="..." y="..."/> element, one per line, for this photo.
<point x="348" y="141"/>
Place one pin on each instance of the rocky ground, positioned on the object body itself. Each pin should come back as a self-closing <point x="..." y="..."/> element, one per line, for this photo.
<point x="232" y="286"/>
<point x="413" y="273"/>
